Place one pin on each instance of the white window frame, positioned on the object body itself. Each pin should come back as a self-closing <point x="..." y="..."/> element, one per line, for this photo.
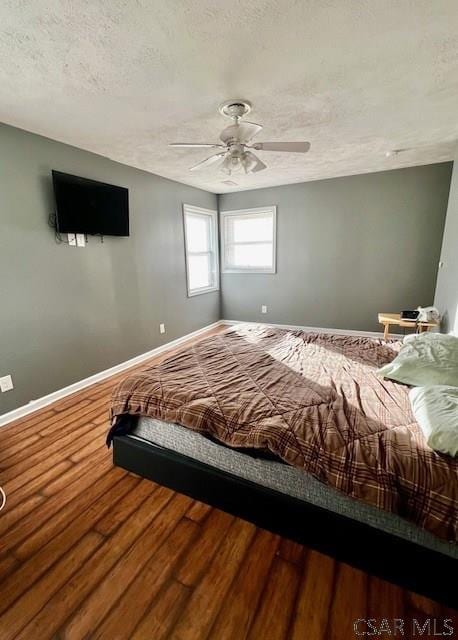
<point x="213" y="241"/>
<point x="225" y="215"/>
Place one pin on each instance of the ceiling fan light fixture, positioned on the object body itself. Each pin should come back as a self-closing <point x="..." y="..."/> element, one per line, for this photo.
<point x="231" y="164"/>
<point x="248" y="163"/>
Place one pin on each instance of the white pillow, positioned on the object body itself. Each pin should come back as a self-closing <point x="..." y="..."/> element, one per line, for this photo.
<point x="426" y="359"/>
<point x="436" y="411"/>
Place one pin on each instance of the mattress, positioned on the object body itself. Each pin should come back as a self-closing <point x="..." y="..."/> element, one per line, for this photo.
<point x="284" y="479"/>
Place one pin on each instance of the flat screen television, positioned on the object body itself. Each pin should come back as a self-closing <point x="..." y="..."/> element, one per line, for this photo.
<point x="90" y="207"/>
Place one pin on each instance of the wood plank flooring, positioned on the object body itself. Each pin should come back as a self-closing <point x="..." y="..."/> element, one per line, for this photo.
<point x="90" y="551"/>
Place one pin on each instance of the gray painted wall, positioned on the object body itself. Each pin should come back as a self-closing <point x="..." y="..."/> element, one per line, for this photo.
<point x="66" y="313"/>
<point x="446" y="299"/>
<point x="346" y="249"/>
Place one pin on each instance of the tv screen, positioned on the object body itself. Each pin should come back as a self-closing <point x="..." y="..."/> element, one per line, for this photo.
<point x="87" y="206"/>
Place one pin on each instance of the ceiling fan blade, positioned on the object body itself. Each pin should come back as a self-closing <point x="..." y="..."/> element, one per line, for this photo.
<point x="208" y="162"/>
<point x="292" y="147"/>
<point x="253" y="163"/>
<point x="248" y="130"/>
<point x="195" y="145"/>
<point x="241" y="132"/>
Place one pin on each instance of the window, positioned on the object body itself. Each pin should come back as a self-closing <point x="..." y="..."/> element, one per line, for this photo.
<point x="201" y="249"/>
<point x="248" y="240"/>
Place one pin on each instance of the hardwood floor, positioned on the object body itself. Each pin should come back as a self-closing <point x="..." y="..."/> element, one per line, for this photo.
<point x="91" y="551"/>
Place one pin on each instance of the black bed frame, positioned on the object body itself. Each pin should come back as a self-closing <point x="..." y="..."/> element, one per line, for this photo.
<point x="405" y="563"/>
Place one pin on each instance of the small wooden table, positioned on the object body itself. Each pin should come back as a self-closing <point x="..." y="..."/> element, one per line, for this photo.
<point x="386" y="319"/>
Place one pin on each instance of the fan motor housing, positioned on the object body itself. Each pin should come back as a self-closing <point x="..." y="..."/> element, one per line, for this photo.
<point x="230" y="135"/>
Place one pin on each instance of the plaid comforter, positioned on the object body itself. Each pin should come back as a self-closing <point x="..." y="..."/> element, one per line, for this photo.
<point x="313" y="400"/>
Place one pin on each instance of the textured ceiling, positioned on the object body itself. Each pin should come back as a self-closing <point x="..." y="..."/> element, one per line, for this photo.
<point x="123" y="78"/>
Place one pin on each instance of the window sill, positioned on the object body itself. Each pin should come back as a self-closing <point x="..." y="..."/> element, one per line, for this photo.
<point x="265" y="271"/>
<point x="200" y="292"/>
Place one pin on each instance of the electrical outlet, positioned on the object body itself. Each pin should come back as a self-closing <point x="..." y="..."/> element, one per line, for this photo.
<point x="6" y="383"/>
<point x="264" y="308"/>
<point x="80" y="240"/>
<point x="71" y="239"/>
<point x="162" y="328"/>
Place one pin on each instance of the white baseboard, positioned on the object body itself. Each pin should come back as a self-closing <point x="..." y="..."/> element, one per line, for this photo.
<point x="340" y="332"/>
<point x="34" y="405"/>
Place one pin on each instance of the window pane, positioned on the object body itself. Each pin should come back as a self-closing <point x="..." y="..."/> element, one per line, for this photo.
<point x="255" y="228"/>
<point x="250" y="255"/>
<point x="199" y="271"/>
<point x="197" y="232"/>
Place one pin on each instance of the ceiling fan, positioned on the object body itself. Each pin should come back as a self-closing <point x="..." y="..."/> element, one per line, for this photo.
<point x="235" y="155"/>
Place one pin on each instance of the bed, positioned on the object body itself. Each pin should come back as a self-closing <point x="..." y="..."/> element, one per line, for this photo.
<point x="297" y="433"/>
